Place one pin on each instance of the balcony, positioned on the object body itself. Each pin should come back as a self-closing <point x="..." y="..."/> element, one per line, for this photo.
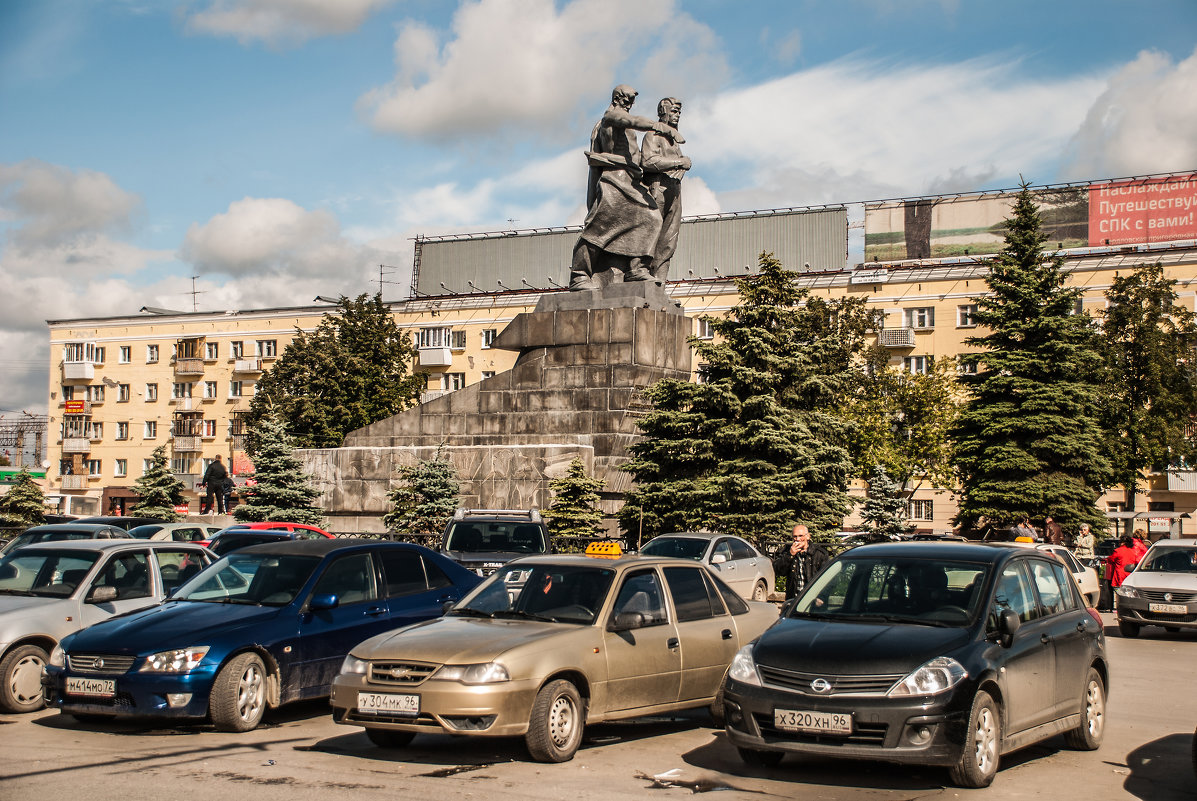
<point x="190" y="480"/>
<point x="76" y="445"/>
<point x="74" y="482"/>
<point x="187" y="444"/>
<point x="896" y="337"/>
<point x="253" y="365"/>
<point x="185" y="404"/>
<point x="432" y="395"/>
<point x="189" y="366"/>
<point x="238" y="442"/>
<point x="435" y="357"/>
<point x="72" y="371"/>
<point x="1182" y="480"/>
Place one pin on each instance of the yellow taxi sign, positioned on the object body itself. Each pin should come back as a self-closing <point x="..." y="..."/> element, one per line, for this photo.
<point x="1024" y="539"/>
<point x="604" y="550"/>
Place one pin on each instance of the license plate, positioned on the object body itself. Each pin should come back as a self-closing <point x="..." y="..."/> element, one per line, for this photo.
<point x="820" y="722"/>
<point x="388" y="704"/>
<point x="1169" y="609"/>
<point x="99" y="688"/>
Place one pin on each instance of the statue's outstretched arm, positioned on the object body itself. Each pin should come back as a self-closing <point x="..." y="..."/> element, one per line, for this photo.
<point x="618" y="118"/>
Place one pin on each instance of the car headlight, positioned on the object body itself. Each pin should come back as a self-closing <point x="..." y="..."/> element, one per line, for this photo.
<point x="354" y="665"/>
<point x="487" y="673"/>
<point x="939" y="675"/>
<point x="743" y="667"/>
<point x="179" y="660"/>
<point x="1126" y="592"/>
<point x="58" y="657"/>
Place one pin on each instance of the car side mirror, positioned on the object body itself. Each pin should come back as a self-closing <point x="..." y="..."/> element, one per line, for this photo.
<point x="101" y="595"/>
<point x="447" y="605"/>
<point x="8" y="572"/>
<point x="1008" y="624"/>
<point x="718" y="559"/>
<point x="788" y="607"/>
<point x="626" y="621"/>
<point x="322" y="602"/>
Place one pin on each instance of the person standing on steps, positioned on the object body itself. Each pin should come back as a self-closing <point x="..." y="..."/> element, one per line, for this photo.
<point x="214" y="480"/>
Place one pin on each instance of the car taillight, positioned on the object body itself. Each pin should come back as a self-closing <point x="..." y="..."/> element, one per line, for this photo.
<point x="1096" y="615"/>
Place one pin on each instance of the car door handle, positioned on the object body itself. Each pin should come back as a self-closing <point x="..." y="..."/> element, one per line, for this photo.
<point x="727" y="635"/>
<point x="375" y="611"/>
<point x="1043" y="638"/>
<point x="672" y="642"/>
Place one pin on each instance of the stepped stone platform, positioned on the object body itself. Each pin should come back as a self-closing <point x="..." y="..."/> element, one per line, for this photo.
<point x="575" y="391"/>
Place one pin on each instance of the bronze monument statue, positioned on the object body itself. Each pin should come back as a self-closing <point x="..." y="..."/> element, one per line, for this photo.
<point x="664" y="167"/>
<point x="624" y="221"/>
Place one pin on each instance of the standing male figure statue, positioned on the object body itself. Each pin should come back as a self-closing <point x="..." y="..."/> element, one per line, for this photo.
<point x="623" y="221"/>
<point x="664" y="167"/>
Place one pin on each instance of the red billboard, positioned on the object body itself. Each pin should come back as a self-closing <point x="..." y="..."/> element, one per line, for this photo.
<point x="1144" y="210"/>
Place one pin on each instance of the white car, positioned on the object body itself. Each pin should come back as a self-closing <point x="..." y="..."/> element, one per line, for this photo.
<point x="1086" y="577"/>
<point x="745" y="569"/>
<point x="1161" y="590"/>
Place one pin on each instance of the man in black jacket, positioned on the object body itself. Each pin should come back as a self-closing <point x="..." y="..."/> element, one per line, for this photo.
<point x="800" y="561"/>
<point x="214" y="478"/>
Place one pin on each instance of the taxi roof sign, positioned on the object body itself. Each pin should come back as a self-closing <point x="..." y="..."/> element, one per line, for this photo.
<point x="604" y="550"/>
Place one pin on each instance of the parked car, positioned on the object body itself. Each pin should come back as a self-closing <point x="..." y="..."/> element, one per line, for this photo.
<point x="175" y="532"/>
<point x="260" y="627"/>
<point x="1086" y="576"/>
<point x="483" y="540"/>
<point x="1161" y="590"/>
<point x="234" y="539"/>
<point x="300" y="531"/>
<point x="745" y="569"/>
<point x="925" y="653"/>
<point x="51" y="589"/>
<point x="120" y="521"/>
<point x="545" y="646"/>
<point x="61" y="532"/>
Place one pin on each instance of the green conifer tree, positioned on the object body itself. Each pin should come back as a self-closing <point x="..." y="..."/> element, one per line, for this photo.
<point x="424" y="501"/>
<point x="281" y="491"/>
<point x="24" y="504"/>
<point x="884" y="509"/>
<point x="1027" y="438"/>
<point x="158" y="491"/>
<point x="573" y="517"/>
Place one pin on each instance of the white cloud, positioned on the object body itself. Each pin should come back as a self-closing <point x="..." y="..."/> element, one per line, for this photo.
<point x="511" y="64"/>
<point x="1144" y="121"/>
<point x="281" y="22"/>
<point x="53" y="205"/>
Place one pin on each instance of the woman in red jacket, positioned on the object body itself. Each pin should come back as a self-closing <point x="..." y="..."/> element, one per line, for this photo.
<point x="1124" y="555"/>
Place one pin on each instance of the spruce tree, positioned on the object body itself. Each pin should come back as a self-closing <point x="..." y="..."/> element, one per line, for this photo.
<point x="24" y="504"/>
<point x="281" y="491"/>
<point x="425" y="499"/>
<point x="158" y="491"/>
<point x="1028" y="440"/>
<point x="761" y="444"/>
<point x="574" y="517"/>
<point x="884" y="509"/>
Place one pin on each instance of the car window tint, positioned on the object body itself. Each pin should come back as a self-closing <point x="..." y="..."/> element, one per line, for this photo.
<point x="741" y="549"/>
<point x="735" y="604"/>
<point x="176" y="565"/>
<point x="307" y="534"/>
<point x="641" y="592"/>
<point x="129" y="573"/>
<point x="436" y="577"/>
<point x="1071" y="593"/>
<point x="1014" y="592"/>
<point x="679" y="547"/>
<point x="722" y="548"/>
<point x="404" y="571"/>
<point x="190" y="534"/>
<point x="717" y="606"/>
<point x="350" y="578"/>
<point x="45" y="574"/>
<point x="1052" y="593"/>
<point x="1070" y="561"/>
<point x="689" y="594"/>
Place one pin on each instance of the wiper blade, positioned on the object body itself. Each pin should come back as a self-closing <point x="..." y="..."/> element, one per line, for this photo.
<point x="525" y="615"/>
<point x="26" y="593"/>
<point x="230" y="600"/>
<point x="466" y="611"/>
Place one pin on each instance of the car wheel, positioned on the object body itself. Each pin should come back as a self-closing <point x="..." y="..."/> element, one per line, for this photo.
<point x="389" y="738"/>
<point x="21" y="673"/>
<point x="760" y="759"/>
<point x="982" y="746"/>
<point x="555" y="728"/>
<point x="717" y="707"/>
<point x="239" y="694"/>
<point x="1127" y="629"/>
<point x="1087" y="736"/>
<point x="760" y="592"/>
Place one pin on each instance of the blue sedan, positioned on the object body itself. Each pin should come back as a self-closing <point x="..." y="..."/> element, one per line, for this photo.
<point x="261" y="627"/>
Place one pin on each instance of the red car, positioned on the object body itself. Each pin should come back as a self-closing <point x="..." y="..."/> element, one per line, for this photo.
<point x="312" y="532"/>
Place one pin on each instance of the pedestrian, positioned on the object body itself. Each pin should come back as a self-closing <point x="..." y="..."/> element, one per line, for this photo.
<point x="800" y="561"/>
<point x="1124" y="556"/>
<point x="1053" y="532"/>
<point x="1140" y="544"/>
<point x="1025" y="529"/>
<point x="213" y="481"/>
<point x="1084" y="543"/>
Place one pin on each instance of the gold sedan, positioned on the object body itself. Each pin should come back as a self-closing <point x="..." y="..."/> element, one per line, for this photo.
<point x="548" y="644"/>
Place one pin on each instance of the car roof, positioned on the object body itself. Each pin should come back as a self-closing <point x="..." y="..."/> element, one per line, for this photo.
<point x="949" y="550"/>
<point x="319" y="547"/>
<point x="101" y="545"/>
<point x="693" y="535"/>
<point x="629" y="560"/>
<point x="76" y="527"/>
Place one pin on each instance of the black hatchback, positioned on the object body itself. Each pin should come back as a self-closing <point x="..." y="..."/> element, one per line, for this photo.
<point x="925" y="653"/>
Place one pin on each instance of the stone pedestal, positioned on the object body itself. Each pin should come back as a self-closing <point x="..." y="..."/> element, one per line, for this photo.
<point x="573" y="392"/>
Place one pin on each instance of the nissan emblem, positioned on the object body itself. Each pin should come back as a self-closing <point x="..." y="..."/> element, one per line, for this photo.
<point x="821" y="686"/>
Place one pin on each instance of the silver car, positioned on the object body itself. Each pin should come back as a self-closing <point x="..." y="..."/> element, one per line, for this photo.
<point x="741" y="566"/>
<point x="49" y="590"/>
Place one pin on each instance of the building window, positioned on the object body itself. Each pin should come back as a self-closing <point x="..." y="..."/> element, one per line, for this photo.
<point x="209" y="390"/>
<point x="81" y="352"/>
<point x="922" y="317"/>
<point x="151" y="354"/>
<point x="181" y="465"/>
<point x="146" y="464"/>
<point x="267" y="348"/>
<point x="458" y="339"/>
<point x="209" y="429"/>
<point x="94" y="431"/>
<point x="965" y="316"/>
<point x="126" y="354"/>
<point x="151" y="392"/>
<point x="703" y="329"/>
<point x="122" y="430"/>
<point x="236" y="350"/>
<point x="93" y="467"/>
<point x="452" y="381"/>
<point x="488" y="374"/>
<point x="94" y="393"/>
<point x="918" y="365"/>
<point x="151" y="429"/>
<point x="966" y="367"/>
<point x="122" y="393"/>
<point x="488" y="337"/>
<point x="68" y="392"/>
<point x="920" y="510"/>
<point x="211" y="351"/>
<point x="702" y="374"/>
<point x="98" y="358"/>
<point x="181" y="389"/>
<point x="235" y="389"/>
<point x="433" y="338"/>
<point x="121" y="469"/>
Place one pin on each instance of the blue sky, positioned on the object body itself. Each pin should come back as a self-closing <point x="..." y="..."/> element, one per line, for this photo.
<point x="279" y="149"/>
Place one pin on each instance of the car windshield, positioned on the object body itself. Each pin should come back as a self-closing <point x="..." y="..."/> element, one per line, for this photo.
<point x="557" y="593"/>
<point x="1169" y="560"/>
<point x="495" y="536"/>
<point x="679" y="547"/>
<point x="44" y="573"/>
<point x="895" y="589"/>
<point x="250" y="578"/>
<point x="145" y="532"/>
